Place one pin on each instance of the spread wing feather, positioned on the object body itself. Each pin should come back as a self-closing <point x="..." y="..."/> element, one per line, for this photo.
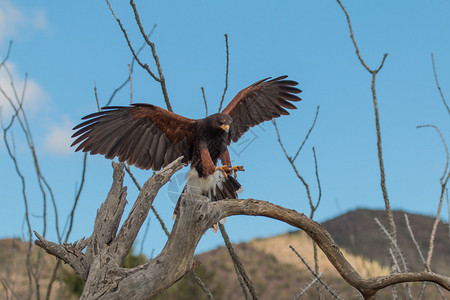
<point x="261" y="101"/>
<point x="143" y="135"/>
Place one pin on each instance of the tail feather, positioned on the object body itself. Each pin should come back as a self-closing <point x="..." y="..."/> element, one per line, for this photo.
<point x="225" y="188"/>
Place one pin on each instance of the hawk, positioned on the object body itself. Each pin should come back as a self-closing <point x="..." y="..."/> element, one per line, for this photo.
<point x="150" y="137"/>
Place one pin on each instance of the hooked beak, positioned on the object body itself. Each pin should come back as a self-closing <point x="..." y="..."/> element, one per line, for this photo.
<point x="225" y="128"/>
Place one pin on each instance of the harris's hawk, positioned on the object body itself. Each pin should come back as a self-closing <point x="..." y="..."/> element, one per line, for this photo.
<point x="150" y="137"/>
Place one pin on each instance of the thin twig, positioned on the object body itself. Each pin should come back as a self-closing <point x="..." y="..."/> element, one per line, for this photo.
<point x="71" y="216"/>
<point x="448" y="209"/>
<point x="201" y="284"/>
<point x="131" y="84"/>
<point x="307" y="135"/>
<point x="437" y="84"/>
<point x="204" y="100"/>
<point x="297" y="173"/>
<point x="306" y="185"/>
<point x="133" y="60"/>
<point x="374" y="72"/>
<point x="96" y="96"/>
<point x="319" y="197"/>
<point x="411" y="234"/>
<point x="226" y="73"/>
<point x="424" y="284"/>
<point x="161" y="80"/>
<point x="395" y="246"/>
<point x="33" y="268"/>
<point x="306" y="289"/>
<point x="7" y="287"/>
<point x="144" y="66"/>
<point x="237" y="263"/>
<point x="333" y="293"/>
<point x="397" y="249"/>
<point x="163" y="225"/>
<point x="443" y="180"/>
<point x="69" y="221"/>
<point x="8" y="52"/>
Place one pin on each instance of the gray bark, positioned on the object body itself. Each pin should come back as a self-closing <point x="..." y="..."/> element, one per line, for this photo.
<point x="108" y="245"/>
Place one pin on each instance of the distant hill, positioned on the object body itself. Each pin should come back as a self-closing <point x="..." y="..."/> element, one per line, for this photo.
<point x="275" y="270"/>
<point x="359" y="234"/>
<point x="13" y="272"/>
<point x="277" y="273"/>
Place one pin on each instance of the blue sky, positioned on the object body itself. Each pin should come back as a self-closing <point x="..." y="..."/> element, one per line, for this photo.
<point x="67" y="46"/>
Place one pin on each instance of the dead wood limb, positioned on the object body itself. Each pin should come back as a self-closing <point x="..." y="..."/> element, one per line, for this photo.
<point x="368" y="287"/>
<point x="105" y="279"/>
<point x="69" y="253"/>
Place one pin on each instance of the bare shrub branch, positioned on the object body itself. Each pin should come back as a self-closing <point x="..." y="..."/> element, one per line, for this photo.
<point x="306" y="289"/>
<point x="204" y="101"/>
<point x="133" y="60"/>
<point x="374" y="73"/>
<point x="240" y="270"/>
<point x="316" y="275"/>
<point x="438" y="85"/>
<point x="444" y="181"/>
<point x="226" y="73"/>
<point x="307" y="135"/>
<point x="159" y="79"/>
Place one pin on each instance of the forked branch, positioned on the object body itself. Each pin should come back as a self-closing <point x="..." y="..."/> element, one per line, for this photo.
<point x="105" y="249"/>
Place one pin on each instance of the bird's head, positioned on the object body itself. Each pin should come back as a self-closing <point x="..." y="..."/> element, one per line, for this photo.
<point x="220" y="122"/>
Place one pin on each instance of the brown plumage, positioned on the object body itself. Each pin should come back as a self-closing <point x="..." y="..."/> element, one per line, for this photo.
<point x="151" y="137"/>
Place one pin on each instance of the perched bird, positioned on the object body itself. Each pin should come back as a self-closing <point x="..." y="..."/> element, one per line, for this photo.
<point x="151" y="137"/>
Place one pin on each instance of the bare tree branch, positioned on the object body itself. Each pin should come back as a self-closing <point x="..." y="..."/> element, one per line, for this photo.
<point x="96" y="96"/>
<point x="7" y="287"/>
<point x="316" y="275"/>
<point x="437" y="84"/>
<point x="313" y="206"/>
<point x="240" y="270"/>
<point x="411" y="234"/>
<point x="160" y="220"/>
<point x="205" y="102"/>
<point x="374" y="73"/>
<point x="71" y="216"/>
<point x="443" y="180"/>
<point x="306" y="289"/>
<point x="144" y="66"/>
<point x="133" y="60"/>
<point x="161" y="80"/>
<point x="106" y="280"/>
<point x="398" y="252"/>
<point x="131" y="84"/>
<point x="69" y="253"/>
<point x="201" y="284"/>
<point x="367" y="287"/>
<point x="226" y="73"/>
<point x="307" y="135"/>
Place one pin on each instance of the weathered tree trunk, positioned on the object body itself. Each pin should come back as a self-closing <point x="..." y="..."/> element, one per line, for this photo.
<point x="106" y="249"/>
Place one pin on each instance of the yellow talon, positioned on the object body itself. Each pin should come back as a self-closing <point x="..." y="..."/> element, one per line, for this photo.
<point x="236" y="169"/>
<point x="226" y="170"/>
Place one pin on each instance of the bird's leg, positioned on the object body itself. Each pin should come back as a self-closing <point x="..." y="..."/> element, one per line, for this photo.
<point x="226" y="170"/>
<point x="236" y="169"/>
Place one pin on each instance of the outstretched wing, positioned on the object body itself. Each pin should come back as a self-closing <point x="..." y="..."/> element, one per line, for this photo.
<point x="143" y="135"/>
<point x="261" y="101"/>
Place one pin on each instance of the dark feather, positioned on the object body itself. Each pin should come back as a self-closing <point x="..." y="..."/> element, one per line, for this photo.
<point x="140" y="134"/>
<point x="259" y="102"/>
